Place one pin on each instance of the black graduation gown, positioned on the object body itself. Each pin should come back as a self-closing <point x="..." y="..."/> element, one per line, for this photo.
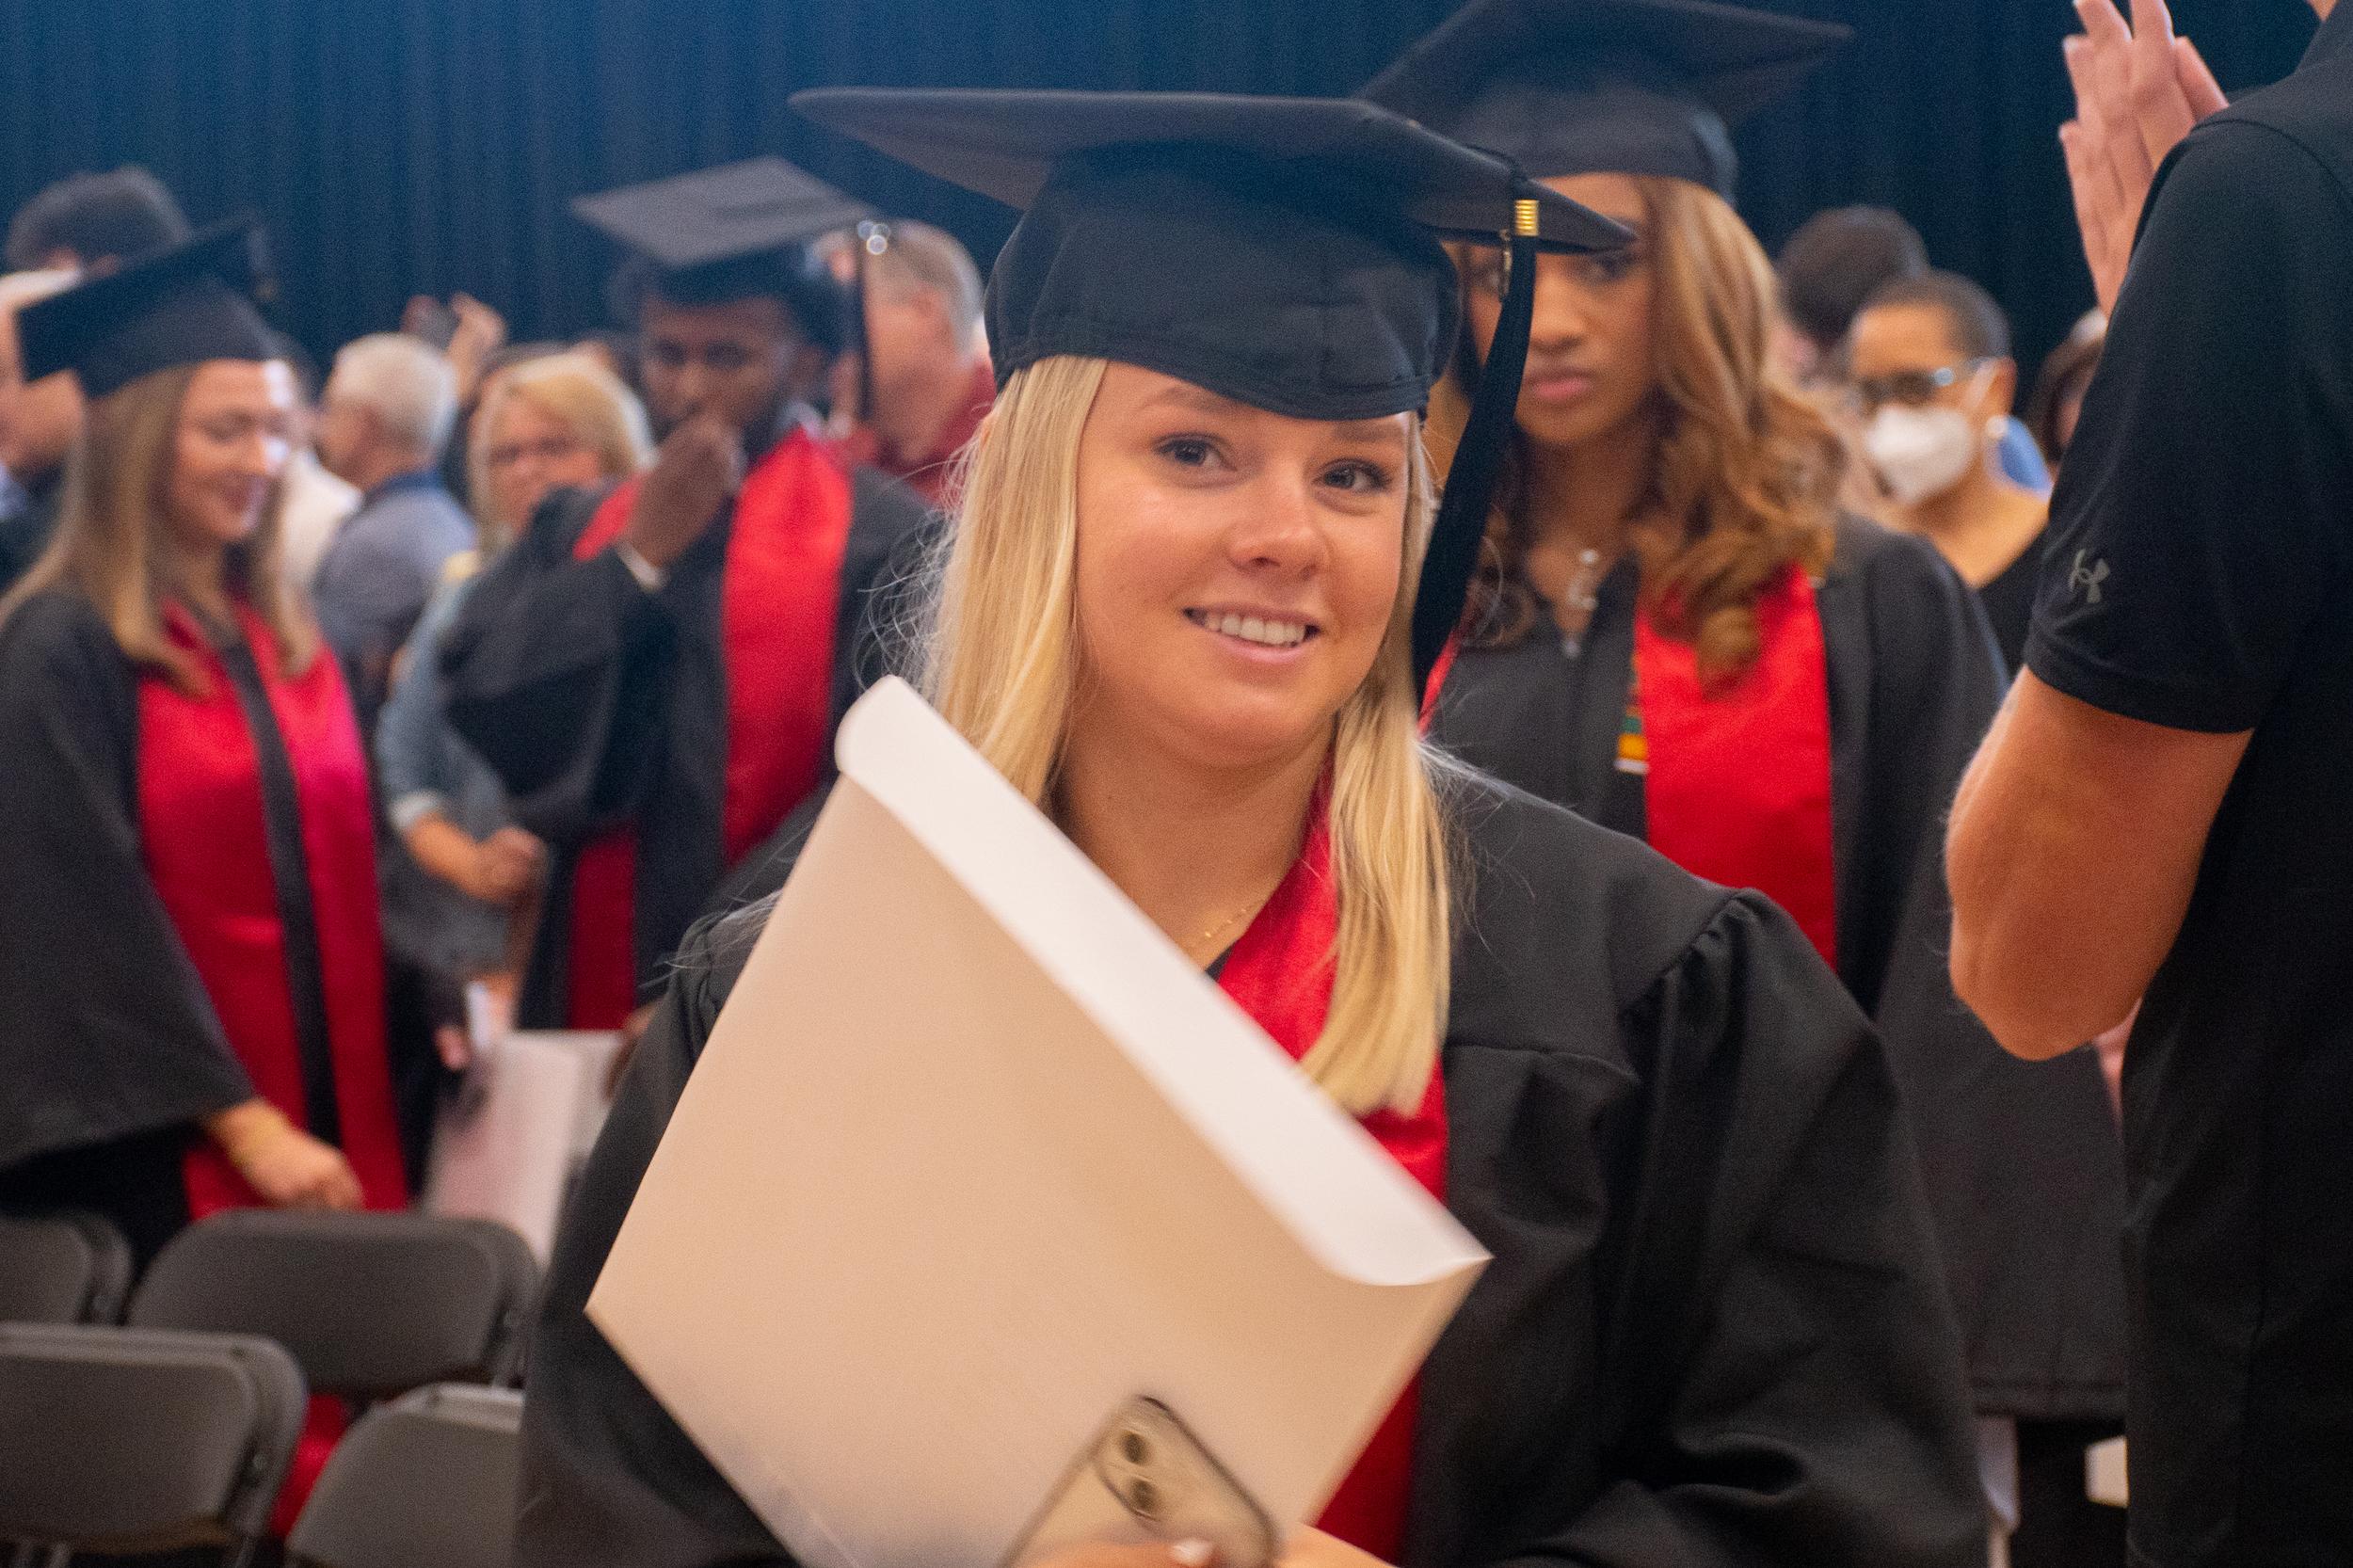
<point x="110" y="1051"/>
<point x="2024" y="1165"/>
<point x="1713" y="1332"/>
<point x="597" y="703"/>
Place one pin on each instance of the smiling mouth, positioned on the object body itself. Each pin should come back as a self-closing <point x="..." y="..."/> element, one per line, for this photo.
<point x="1260" y="630"/>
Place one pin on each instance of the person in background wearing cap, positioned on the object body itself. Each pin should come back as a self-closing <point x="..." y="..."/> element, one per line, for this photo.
<point x="654" y="672"/>
<point x="926" y="355"/>
<point x="189" y="962"/>
<point x="2158" y="817"/>
<point x="38" y="421"/>
<point x="95" y="223"/>
<point x="1678" y="635"/>
<point x="1180" y="611"/>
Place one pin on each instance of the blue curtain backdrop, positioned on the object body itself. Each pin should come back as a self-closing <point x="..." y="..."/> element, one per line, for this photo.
<point x="432" y="145"/>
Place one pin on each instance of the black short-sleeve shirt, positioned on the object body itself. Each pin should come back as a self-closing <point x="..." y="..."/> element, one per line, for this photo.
<point x="2200" y="576"/>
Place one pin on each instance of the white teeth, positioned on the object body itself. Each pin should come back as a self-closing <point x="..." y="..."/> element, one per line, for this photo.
<point x="1251" y="629"/>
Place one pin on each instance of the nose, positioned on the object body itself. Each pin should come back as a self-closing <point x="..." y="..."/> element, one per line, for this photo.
<point x="694" y="388"/>
<point x="261" y="455"/>
<point x="1280" y="531"/>
<point x="1562" y="318"/>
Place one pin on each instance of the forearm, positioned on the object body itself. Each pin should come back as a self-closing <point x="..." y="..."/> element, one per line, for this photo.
<point x="2072" y="853"/>
<point x="445" y="850"/>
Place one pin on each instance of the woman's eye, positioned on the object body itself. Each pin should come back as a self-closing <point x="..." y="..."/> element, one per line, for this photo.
<point x="1190" y="450"/>
<point x="1611" y="266"/>
<point x="1358" y="478"/>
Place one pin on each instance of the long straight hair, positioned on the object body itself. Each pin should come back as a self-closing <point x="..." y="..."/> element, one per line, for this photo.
<point x="110" y="543"/>
<point x="1002" y="664"/>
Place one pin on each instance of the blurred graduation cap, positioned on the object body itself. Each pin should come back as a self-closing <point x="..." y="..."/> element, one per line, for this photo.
<point x="183" y="306"/>
<point x="1620" y="86"/>
<point x="732" y="233"/>
<point x="1282" y="253"/>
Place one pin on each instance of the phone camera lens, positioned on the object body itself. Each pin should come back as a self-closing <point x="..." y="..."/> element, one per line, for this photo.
<point x="1133" y="1445"/>
<point x="1144" y="1498"/>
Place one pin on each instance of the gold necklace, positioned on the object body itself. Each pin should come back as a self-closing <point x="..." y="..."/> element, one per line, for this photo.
<point x="1221" y="927"/>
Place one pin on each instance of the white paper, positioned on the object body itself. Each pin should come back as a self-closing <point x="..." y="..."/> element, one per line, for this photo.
<point x="972" y="1156"/>
<point x="523" y="1122"/>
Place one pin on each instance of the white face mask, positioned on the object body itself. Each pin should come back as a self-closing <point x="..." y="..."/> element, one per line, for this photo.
<point x="1920" y="452"/>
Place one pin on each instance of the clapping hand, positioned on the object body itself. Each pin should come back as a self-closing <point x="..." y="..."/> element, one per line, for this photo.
<point x="2138" y="89"/>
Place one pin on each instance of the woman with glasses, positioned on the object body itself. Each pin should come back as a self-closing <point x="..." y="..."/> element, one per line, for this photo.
<point x="1677" y="633"/>
<point x="461" y="869"/>
<point x="1931" y="383"/>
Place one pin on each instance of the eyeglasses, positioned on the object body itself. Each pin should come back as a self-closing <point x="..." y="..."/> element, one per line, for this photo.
<point x="552" y="449"/>
<point x="1913" y="389"/>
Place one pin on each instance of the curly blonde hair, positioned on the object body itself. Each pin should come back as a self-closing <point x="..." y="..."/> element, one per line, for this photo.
<point x="1746" y="479"/>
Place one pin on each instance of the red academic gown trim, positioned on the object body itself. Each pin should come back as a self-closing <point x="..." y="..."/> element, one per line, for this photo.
<point x="1280" y="973"/>
<point x="206" y="846"/>
<point x="1736" y="781"/>
<point x="779" y="596"/>
<point x="204" y="837"/>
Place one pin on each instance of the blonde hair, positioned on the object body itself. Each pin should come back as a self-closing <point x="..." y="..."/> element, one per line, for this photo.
<point x="1746" y="479"/>
<point x="577" y="393"/>
<point x="1003" y="665"/>
<point x="110" y="543"/>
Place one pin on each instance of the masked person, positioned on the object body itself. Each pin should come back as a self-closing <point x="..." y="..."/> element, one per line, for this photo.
<point x="1931" y="383"/>
<point x="190" y="969"/>
<point x="1676" y="634"/>
<point x="1177" y="614"/>
<point x="654" y="671"/>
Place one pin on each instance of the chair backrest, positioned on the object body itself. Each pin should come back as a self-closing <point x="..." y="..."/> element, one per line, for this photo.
<point x="371" y="1304"/>
<point x="65" y="1267"/>
<point x="125" y="1440"/>
<point x="427" y="1482"/>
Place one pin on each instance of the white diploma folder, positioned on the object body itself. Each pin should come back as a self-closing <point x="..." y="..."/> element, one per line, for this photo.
<point x="973" y="1156"/>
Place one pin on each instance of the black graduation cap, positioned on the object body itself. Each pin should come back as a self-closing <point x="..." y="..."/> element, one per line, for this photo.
<point x="729" y="232"/>
<point x="1281" y="251"/>
<point x="1620" y="86"/>
<point x="721" y="214"/>
<point x="183" y="306"/>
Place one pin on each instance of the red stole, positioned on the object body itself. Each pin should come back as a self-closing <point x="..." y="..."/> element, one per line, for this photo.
<point x="1280" y="973"/>
<point x="1736" y="786"/>
<point x="779" y="597"/>
<point x="207" y="851"/>
<point x="202" y="835"/>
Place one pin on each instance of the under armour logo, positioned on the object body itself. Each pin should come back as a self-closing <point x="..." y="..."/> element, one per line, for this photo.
<point x="2087" y="577"/>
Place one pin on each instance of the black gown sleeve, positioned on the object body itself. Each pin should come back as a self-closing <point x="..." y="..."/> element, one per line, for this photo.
<point x="608" y="1478"/>
<point x="1782" y="1383"/>
<point x="2023" y="1161"/>
<point x="556" y="671"/>
<point x="1933" y="681"/>
<point x="106" y="1032"/>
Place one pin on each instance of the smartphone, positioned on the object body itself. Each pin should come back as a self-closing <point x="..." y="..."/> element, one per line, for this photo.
<point x="1145" y="1479"/>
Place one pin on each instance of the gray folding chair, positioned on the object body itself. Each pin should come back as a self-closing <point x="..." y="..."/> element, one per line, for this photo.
<point x="371" y="1306"/>
<point x="426" y="1481"/>
<point x="124" y="1440"/>
<point x="65" y="1267"/>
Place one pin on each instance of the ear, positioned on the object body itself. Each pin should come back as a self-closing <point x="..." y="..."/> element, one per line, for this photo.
<point x="2001" y="389"/>
<point x="805" y="373"/>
